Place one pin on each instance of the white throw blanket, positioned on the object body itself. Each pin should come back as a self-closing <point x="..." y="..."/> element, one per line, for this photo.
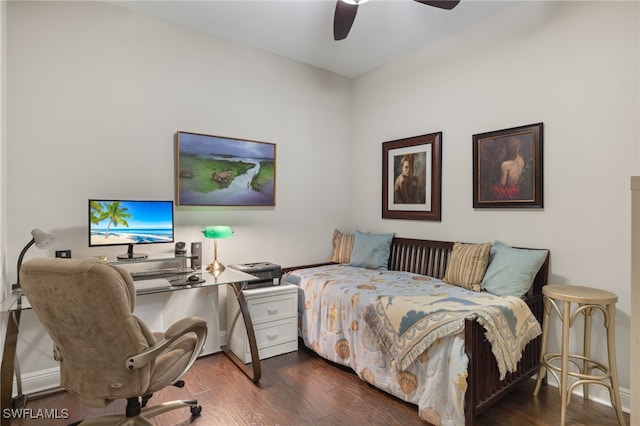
<point x="406" y="326"/>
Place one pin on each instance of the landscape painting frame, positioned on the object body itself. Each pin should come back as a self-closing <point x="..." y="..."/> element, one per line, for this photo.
<point x="412" y="178"/>
<point x="508" y="168"/>
<point x="221" y="171"/>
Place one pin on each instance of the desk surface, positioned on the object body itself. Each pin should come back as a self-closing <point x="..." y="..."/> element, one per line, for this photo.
<point x="15" y="301"/>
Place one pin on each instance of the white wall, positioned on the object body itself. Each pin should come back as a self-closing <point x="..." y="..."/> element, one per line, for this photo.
<point x="96" y="93"/>
<point x="3" y="140"/>
<point x="571" y="65"/>
<point x="3" y="161"/>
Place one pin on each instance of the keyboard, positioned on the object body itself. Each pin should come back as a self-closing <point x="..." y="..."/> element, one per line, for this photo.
<point x="152" y="284"/>
<point x="160" y="273"/>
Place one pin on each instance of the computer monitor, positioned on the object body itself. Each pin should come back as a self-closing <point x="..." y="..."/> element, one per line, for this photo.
<point x="129" y="223"/>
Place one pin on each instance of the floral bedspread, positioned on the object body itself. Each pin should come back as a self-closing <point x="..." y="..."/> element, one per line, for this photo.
<point x="333" y="301"/>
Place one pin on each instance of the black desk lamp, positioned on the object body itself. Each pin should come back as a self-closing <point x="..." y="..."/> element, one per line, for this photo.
<point x="41" y="239"/>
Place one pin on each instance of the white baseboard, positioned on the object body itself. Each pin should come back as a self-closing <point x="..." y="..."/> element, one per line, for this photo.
<point x="49" y="379"/>
<point x="625" y="400"/>
<point x="600" y="394"/>
<point x="38" y="381"/>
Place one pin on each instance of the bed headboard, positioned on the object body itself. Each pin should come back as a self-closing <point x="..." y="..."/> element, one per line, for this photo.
<point x="423" y="257"/>
<point x="428" y="257"/>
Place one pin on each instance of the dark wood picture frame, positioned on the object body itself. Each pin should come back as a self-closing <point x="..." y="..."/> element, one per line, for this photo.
<point x="220" y="171"/>
<point x="415" y="193"/>
<point x="507" y="168"/>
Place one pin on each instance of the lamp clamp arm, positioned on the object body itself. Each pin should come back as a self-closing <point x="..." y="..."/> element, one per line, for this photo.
<point x="22" y="253"/>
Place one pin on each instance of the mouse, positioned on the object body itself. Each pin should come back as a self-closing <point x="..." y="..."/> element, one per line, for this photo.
<point x="193" y="278"/>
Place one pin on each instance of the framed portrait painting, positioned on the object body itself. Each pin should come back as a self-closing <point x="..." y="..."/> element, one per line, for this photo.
<point x="220" y="171"/>
<point x="412" y="178"/>
<point x="507" y="168"/>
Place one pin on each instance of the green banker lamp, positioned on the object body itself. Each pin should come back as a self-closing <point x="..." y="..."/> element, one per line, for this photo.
<point x="216" y="232"/>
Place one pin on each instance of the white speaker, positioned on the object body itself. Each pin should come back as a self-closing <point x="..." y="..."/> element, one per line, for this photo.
<point x="196" y="250"/>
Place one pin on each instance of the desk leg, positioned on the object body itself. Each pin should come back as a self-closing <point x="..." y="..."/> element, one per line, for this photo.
<point x="253" y="345"/>
<point x="8" y="366"/>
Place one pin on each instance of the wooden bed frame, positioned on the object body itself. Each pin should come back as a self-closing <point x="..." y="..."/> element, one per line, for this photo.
<point x="484" y="387"/>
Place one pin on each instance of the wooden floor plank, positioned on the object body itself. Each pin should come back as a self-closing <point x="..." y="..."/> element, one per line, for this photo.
<point x="302" y="389"/>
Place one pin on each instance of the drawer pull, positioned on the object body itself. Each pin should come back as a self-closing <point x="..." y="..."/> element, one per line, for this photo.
<point x="272" y="335"/>
<point x="272" y="310"/>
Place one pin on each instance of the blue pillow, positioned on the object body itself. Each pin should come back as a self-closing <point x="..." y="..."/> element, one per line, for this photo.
<point x="371" y="250"/>
<point x="511" y="271"/>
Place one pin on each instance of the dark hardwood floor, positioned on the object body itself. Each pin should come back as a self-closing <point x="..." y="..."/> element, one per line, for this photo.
<point x="302" y="389"/>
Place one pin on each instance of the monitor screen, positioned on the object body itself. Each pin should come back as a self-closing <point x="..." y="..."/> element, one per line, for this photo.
<point x="130" y="222"/>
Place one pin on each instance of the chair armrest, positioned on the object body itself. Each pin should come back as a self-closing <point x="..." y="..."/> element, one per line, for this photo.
<point x="173" y="333"/>
<point x="183" y="326"/>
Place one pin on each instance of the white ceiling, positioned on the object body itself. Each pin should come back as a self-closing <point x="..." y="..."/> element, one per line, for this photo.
<point x="302" y="30"/>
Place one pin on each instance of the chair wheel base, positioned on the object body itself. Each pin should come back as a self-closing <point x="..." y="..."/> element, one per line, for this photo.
<point x="196" y="411"/>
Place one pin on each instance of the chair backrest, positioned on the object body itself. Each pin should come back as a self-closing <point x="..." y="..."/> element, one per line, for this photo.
<point x="86" y="307"/>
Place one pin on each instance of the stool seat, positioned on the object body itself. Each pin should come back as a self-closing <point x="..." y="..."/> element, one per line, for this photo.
<point x="579" y="294"/>
<point x="582" y="369"/>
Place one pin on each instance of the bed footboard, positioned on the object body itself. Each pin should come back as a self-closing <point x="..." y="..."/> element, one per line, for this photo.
<point x="484" y="385"/>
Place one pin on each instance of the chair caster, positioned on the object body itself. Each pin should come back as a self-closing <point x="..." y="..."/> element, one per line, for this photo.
<point x="145" y="399"/>
<point x="179" y="384"/>
<point x="196" y="410"/>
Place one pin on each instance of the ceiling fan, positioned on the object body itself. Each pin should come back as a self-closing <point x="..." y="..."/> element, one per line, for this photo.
<point x="346" y="13"/>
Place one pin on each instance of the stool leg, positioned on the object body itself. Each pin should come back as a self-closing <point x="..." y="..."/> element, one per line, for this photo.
<point x="586" y="348"/>
<point x="613" y="370"/>
<point x="566" y="324"/>
<point x="543" y="347"/>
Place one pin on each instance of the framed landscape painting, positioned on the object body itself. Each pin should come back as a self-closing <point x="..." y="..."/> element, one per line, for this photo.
<point x="412" y="178"/>
<point x="507" y="168"/>
<point x="220" y="171"/>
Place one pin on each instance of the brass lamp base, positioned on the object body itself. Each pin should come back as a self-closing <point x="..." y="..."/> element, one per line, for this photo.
<point x="215" y="267"/>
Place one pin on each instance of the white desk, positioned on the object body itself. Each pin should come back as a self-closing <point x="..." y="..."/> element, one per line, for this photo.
<point x="197" y="302"/>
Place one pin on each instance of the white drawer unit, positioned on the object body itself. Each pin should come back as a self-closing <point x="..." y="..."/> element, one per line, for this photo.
<point x="274" y="314"/>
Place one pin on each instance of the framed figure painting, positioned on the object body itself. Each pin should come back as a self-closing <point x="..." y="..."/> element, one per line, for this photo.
<point x="507" y="168"/>
<point x="219" y="171"/>
<point x="412" y="178"/>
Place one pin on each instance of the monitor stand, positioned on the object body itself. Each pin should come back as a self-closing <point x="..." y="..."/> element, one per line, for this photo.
<point x="130" y="255"/>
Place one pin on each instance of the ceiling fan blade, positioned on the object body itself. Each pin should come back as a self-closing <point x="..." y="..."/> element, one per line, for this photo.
<point x="442" y="4"/>
<point x="343" y="19"/>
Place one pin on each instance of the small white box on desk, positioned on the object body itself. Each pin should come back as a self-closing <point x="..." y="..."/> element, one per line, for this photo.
<point x="274" y="314"/>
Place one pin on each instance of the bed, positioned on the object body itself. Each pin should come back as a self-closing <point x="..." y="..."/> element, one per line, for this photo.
<point x="453" y="377"/>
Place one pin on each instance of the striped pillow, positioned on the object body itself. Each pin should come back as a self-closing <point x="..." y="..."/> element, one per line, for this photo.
<point x="342" y="247"/>
<point x="467" y="265"/>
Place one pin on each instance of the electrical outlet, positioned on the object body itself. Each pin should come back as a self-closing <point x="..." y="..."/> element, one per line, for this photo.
<point x="65" y="254"/>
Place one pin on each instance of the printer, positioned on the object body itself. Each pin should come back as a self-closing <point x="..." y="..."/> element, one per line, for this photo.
<point x="267" y="272"/>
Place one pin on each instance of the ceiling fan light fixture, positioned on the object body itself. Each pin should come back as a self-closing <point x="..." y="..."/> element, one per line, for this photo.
<point x="355" y="2"/>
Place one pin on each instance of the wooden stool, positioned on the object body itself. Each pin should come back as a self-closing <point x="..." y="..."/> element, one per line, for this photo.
<point x="589" y="300"/>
